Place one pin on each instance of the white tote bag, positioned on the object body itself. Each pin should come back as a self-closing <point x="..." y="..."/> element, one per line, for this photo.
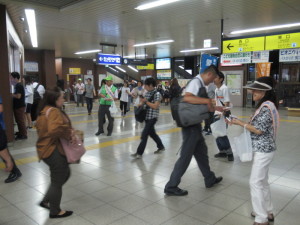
<point x="218" y="128"/>
<point x="243" y="146"/>
<point x="114" y="111"/>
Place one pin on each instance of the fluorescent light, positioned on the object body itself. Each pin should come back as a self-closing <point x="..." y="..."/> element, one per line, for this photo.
<point x="200" y="49"/>
<point x="112" y="68"/>
<point x="181" y="67"/>
<point x="88" y="51"/>
<point x="153" y="43"/>
<point x="266" y="28"/>
<point x="134" y="69"/>
<point x="155" y="4"/>
<point x="133" y="56"/>
<point x="121" y="69"/>
<point x="30" y="16"/>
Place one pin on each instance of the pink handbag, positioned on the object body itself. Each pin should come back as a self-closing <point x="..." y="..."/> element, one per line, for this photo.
<point x="73" y="149"/>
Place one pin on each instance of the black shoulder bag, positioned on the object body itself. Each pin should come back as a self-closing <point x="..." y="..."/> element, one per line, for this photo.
<point x="141" y="111"/>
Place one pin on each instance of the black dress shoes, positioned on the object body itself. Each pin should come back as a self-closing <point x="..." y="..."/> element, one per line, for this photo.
<point x="45" y="205"/>
<point x="217" y="180"/>
<point x="13" y="176"/>
<point x="176" y="192"/>
<point x="67" y="213"/>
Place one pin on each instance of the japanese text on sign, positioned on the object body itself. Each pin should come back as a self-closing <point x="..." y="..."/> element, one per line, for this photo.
<point x="283" y="41"/>
<point x="236" y="58"/>
<point x="109" y="59"/>
<point x="289" y="55"/>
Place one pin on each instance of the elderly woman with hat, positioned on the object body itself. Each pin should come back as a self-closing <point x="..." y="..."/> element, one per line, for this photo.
<point x="263" y="128"/>
<point x="108" y="93"/>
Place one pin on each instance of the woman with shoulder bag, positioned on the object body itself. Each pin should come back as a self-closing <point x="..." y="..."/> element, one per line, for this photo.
<point x="263" y="128"/>
<point x="53" y="124"/>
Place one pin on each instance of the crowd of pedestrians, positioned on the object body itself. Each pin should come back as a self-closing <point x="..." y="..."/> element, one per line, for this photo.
<point x="52" y="123"/>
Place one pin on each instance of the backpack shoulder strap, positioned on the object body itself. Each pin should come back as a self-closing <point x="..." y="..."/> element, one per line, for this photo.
<point x="37" y="86"/>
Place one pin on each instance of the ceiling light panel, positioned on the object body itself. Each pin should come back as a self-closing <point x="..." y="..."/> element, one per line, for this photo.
<point x="30" y="17"/>
<point x="133" y="56"/>
<point x="87" y="52"/>
<point x="155" y="4"/>
<point x="134" y="69"/>
<point x="266" y="28"/>
<point x="119" y="68"/>
<point x="200" y="49"/>
<point x="154" y="43"/>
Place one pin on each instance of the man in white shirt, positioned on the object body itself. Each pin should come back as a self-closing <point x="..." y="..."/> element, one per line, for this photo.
<point x="80" y="89"/>
<point x="193" y="140"/>
<point x="125" y="93"/>
<point x="36" y="99"/>
<point x="222" y="98"/>
<point x="40" y="88"/>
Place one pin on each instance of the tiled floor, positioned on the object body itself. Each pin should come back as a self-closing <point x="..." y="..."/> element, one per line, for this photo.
<point x="109" y="187"/>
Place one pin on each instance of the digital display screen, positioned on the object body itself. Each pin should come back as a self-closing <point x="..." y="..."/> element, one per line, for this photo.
<point x="164" y="63"/>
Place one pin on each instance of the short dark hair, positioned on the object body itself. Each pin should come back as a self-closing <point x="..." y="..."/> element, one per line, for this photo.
<point x="15" y="75"/>
<point x="49" y="99"/>
<point x="27" y="79"/>
<point x="213" y="69"/>
<point x="103" y="82"/>
<point x="150" y="81"/>
<point x="222" y="76"/>
<point x="90" y="79"/>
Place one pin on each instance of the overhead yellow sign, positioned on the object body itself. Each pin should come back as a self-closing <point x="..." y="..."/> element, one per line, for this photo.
<point x="148" y="67"/>
<point x="244" y="45"/>
<point x="283" y="41"/>
<point x="75" y="71"/>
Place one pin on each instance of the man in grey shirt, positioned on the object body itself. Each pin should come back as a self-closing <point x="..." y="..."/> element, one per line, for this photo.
<point x="89" y="95"/>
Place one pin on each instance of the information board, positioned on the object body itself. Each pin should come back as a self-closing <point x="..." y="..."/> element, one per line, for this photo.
<point x="283" y="41"/>
<point x="148" y="67"/>
<point x="74" y="71"/>
<point x="164" y="74"/>
<point x="289" y="55"/>
<point x="207" y="60"/>
<point x="106" y="59"/>
<point x="236" y="58"/>
<point x="244" y="45"/>
<point x="260" y="56"/>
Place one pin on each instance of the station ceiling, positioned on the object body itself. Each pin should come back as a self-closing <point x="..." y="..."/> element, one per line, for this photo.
<point x="68" y="26"/>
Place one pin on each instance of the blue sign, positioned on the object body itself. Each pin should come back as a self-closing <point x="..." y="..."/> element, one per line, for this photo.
<point x="207" y="60"/>
<point x="107" y="59"/>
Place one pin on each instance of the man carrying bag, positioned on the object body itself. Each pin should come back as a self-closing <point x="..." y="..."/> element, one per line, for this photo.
<point x="193" y="141"/>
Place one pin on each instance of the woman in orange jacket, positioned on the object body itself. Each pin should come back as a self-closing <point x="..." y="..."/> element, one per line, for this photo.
<point x="53" y="124"/>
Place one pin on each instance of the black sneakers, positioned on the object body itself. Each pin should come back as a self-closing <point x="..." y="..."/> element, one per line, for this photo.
<point x="221" y="155"/>
<point x="230" y="157"/>
<point x="13" y="176"/>
<point x="159" y="150"/>
<point x="98" y="133"/>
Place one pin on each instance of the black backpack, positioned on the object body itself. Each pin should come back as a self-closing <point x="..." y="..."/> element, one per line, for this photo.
<point x="141" y="111"/>
<point x="36" y="95"/>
